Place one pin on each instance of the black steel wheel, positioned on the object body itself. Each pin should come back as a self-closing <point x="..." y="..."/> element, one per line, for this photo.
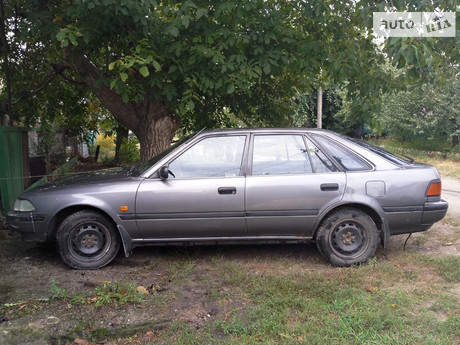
<point x="87" y="240"/>
<point x="347" y="236"/>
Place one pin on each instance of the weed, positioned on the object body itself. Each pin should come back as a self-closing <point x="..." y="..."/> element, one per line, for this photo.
<point x="57" y="291"/>
<point x="180" y="270"/>
<point x="117" y="294"/>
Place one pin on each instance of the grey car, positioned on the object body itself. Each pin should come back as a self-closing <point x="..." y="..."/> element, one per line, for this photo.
<point x="238" y="186"/>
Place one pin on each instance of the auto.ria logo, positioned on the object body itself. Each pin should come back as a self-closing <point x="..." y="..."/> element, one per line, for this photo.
<point x="414" y="24"/>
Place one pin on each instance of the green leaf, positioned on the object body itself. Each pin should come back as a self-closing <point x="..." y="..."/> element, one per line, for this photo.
<point x="156" y="65"/>
<point x="123" y="77"/>
<point x="186" y="21"/>
<point x="231" y="88"/>
<point x="174" y="31"/>
<point x="191" y="105"/>
<point x="125" y="98"/>
<point x="267" y="68"/>
<point x="144" y="71"/>
<point x="200" y="13"/>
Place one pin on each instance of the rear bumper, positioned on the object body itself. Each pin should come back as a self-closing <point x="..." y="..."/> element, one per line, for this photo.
<point x="408" y="219"/>
<point x="434" y="211"/>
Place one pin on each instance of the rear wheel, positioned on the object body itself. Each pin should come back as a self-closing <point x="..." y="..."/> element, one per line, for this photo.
<point x="87" y="240"/>
<point x="347" y="236"/>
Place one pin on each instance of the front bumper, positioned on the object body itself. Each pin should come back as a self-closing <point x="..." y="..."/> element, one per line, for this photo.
<point x="31" y="226"/>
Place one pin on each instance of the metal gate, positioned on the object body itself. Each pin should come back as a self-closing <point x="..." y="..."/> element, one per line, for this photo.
<point x="13" y="149"/>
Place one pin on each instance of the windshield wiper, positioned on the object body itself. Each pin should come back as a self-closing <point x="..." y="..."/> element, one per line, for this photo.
<point x="131" y="169"/>
<point x="410" y="159"/>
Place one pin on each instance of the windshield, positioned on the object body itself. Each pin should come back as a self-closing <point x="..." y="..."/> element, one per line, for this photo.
<point x="403" y="160"/>
<point x="140" y="169"/>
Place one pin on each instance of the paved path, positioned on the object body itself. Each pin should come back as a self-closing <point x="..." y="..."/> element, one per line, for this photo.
<point x="451" y="193"/>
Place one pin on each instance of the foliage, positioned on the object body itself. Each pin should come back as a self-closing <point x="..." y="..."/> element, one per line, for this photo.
<point x="305" y="113"/>
<point x="39" y="92"/>
<point x="129" y="150"/>
<point x="106" y="142"/>
<point x="213" y="64"/>
<point x="428" y="115"/>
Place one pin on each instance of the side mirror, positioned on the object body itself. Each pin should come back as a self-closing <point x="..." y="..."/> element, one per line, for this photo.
<point x="164" y="172"/>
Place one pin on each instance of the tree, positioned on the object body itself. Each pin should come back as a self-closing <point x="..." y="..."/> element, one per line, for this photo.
<point x="155" y="65"/>
<point x="428" y="115"/>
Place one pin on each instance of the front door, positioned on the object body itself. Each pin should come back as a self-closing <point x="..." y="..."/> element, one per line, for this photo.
<point x="203" y="197"/>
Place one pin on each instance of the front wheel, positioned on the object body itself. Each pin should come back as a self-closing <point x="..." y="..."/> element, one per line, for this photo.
<point x="87" y="240"/>
<point x="347" y="236"/>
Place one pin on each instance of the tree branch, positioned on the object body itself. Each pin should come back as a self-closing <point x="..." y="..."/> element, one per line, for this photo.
<point x="45" y="84"/>
<point x="90" y="74"/>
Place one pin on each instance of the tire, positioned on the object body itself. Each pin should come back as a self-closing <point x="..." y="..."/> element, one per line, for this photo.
<point x="347" y="236"/>
<point x="87" y="240"/>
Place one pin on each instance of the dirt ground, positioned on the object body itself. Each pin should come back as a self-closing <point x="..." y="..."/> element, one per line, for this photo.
<point x="30" y="315"/>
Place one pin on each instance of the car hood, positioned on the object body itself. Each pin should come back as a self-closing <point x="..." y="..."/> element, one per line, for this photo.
<point x="85" y="179"/>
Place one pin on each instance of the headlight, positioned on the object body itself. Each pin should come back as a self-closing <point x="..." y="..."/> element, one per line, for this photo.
<point x="21" y="205"/>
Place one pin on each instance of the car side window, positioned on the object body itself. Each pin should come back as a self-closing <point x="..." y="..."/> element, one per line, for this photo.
<point x="320" y="162"/>
<point x="280" y="154"/>
<point x="211" y="157"/>
<point x="347" y="159"/>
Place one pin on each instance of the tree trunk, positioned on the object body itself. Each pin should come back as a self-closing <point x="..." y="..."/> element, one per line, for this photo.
<point x="152" y="122"/>
<point x="455" y="140"/>
<point x="122" y="133"/>
<point x="156" y="135"/>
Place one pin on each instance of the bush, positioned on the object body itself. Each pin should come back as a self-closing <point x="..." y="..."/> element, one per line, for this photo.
<point x="129" y="150"/>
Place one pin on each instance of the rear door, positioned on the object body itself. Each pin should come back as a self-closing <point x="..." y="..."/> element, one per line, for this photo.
<point x="289" y="184"/>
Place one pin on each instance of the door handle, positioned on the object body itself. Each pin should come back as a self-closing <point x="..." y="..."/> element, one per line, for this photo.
<point x="327" y="187"/>
<point x="227" y="190"/>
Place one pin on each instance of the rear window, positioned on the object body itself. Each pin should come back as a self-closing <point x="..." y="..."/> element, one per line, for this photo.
<point x="344" y="157"/>
<point x="399" y="160"/>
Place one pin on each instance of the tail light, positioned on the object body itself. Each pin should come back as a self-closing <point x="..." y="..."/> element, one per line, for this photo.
<point x="434" y="189"/>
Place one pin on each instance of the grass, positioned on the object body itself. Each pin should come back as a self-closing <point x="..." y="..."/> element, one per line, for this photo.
<point x="408" y="300"/>
<point x="282" y="297"/>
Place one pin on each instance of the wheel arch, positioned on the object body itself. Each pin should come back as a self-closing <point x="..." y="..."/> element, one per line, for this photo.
<point x="378" y="220"/>
<point x="65" y="212"/>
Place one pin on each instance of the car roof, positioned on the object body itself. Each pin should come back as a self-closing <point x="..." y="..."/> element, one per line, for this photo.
<point x="264" y="130"/>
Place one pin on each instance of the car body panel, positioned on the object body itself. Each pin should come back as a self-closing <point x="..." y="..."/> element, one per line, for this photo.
<point x="276" y="200"/>
<point x="106" y="190"/>
<point x="191" y="207"/>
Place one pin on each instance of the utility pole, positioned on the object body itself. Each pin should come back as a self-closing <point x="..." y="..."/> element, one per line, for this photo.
<point x="319" y="111"/>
